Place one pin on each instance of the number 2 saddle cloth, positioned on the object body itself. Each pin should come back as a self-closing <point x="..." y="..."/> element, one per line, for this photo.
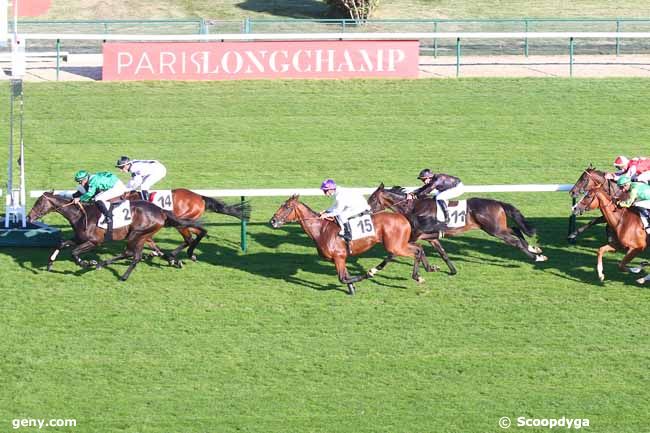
<point x="121" y="215"/>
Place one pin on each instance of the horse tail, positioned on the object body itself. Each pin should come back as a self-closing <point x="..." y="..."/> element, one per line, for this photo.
<point x="519" y="218"/>
<point x="172" y="220"/>
<point x="240" y="210"/>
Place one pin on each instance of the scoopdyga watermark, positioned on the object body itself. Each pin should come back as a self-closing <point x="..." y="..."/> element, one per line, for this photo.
<point x="550" y="423"/>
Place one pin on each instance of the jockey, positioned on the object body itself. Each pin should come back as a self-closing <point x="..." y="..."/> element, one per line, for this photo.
<point x="100" y="187"/>
<point x="638" y="169"/>
<point x="442" y="186"/>
<point x="639" y="195"/>
<point x="144" y="173"/>
<point x="347" y="204"/>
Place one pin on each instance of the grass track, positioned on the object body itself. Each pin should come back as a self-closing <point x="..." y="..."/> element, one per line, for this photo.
<point x="267" y="341"/>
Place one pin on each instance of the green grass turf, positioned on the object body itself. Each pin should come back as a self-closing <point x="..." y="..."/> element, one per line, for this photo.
<point x="267" y="341"/>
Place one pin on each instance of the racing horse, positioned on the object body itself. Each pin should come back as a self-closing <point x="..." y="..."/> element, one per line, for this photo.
<point x="625" y="223"/>
<point x="189" y="205"/>
<point x="392" y="230"/>
<point x="146" y="220"/>
<point x="491" y="216"/>
<point x="590" y="178"/>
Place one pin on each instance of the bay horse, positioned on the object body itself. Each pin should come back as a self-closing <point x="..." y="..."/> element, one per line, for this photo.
<point x="189" y="205"/>
<point x="491" y="216"/>
<point x="146" y="220"/>
<point x="392" y="230"/>
<point x="589" y="178"/>
<point x="624" y="222"/>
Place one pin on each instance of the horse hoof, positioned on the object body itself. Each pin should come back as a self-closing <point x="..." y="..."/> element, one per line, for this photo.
<point x="541" y="258"/>
<point x="99" y="266"/>
<point x="193" y="258"/>
<point x="435" y="268"/>
<point x="179" y="264"/>
<point x="641" y="280"/>
<point x="634" y="270"/>
<point x="49" y="267"/>
<point x="420" y="280"/>
<point x="601" y="277"/>
<point x="372" y="272"/>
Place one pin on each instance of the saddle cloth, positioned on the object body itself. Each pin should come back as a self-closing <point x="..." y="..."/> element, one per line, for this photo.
<point x="121" y="215"/>
<point x="361" y="226"/>
<point x="457" y="213"/>
<point x="162" y="198"/>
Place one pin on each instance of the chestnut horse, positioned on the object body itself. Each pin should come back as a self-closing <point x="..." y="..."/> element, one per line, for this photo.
<point x="146" y="220"/>
<point x="392" y="230"/>
<point x="189" y="205"/>
<point x="491" y="216"/>
<point x="624" y="222"/>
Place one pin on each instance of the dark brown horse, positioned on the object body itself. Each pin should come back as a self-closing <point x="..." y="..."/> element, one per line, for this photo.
<point x="624" y="222"/>
<point x="146" y="220"/>
<point x="491" y="216"/>
<point x="189" y="205"/>
<point x="590" y="178"/>
<point x="392" y="230"/>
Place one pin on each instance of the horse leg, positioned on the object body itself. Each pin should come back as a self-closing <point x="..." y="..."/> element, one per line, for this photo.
<point x="631" y="254"/>
<point x="187" y="241"/>
<point x="344" y="277"/>
<point x="510" y="239"/>
<point x="112" y="260"/>
<point x="599" y="266"/>
<point x="533" y="249"/>
<point x="83" y="248"/>
<point x="135" y="246"/>
<point x="373" y="271"/>
<point x="199" y="235"/>
<point x="57" y="250"/>
<point x="443" y="255"/>
<point x="580" y="230"/>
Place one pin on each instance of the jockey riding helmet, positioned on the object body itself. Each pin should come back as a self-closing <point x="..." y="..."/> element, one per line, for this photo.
<point x="328" y="185"/>
<point x="81" y="175"/>
<point x="621" y="161"/>
<point x="425" y="174"/>
<point x="124" y="160"/>
<point x="623" y="180"/>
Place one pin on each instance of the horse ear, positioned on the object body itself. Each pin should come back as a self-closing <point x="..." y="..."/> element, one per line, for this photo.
<point x="591" y="166"/>
<point x="294" y="197"/>
<point x="381" y="185"/>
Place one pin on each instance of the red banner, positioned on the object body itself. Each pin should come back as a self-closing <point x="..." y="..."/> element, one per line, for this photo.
<point x="260" y="60"/>
<point x="31" y="8"/>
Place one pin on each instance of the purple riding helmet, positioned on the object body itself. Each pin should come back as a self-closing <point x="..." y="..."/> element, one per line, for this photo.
<point x="328" y="185"/>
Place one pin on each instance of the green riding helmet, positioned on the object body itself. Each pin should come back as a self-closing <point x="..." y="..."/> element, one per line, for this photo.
<point x="623" y="180"/>
<point x="81" y="175"/>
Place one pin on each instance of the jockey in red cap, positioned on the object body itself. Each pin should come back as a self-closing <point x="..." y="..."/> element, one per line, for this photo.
<point x="638" y="169"/>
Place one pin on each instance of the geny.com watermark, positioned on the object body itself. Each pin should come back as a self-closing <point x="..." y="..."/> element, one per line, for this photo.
<point x="41" y="423"/>
<point x="522" y="421"/>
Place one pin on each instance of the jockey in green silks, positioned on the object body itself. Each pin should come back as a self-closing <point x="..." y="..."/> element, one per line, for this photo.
<point x="100" y="187"/>
<point x="639" y="195"/>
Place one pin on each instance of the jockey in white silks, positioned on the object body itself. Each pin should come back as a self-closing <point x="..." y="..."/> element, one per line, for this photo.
<point x="347" y="204"/>
<point x="144" y="173"/>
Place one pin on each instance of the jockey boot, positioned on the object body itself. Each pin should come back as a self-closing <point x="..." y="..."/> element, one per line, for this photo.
<point x="109" y="219"/>
<point x="145" y="195"/>
<point x="445" y="211"/>
<point x="347" y="236"/>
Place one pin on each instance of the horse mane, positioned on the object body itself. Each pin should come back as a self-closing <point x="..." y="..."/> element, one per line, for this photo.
<point x="396" y="190"/>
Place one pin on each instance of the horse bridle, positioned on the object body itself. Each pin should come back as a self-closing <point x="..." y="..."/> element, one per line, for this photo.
<point x="58" y="208"/>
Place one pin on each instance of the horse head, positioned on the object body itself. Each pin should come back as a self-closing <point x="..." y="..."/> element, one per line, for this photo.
<point x="286" y="213"/>
<point x="46" y="203"/>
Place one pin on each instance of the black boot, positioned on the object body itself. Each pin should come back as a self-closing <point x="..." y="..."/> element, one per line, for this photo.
<point x="109" y="220"/>
<point x="347" y="236"/>
<point x="445" y="211"/>
<point x="145" y="195"/>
